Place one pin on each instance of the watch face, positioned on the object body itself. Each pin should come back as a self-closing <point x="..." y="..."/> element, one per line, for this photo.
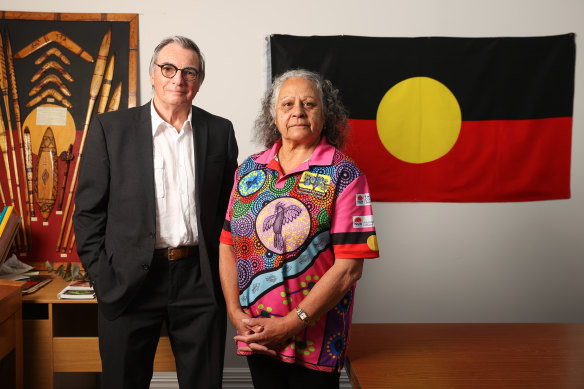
<point x="303" y="315"/>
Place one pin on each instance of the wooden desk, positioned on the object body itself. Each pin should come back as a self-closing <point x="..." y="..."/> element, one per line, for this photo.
<point x="466" y="356"/>
<point x="60" y="336"/>
<point x="11" y="334"/>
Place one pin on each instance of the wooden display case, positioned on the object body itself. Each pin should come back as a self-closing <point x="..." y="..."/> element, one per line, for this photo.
<point x="11" y="373"/>
<point x="60" y="336"/>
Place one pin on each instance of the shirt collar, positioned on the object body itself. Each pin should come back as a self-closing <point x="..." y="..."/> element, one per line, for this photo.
<point x="322" y="155"/>
<point x="157" y="120"/>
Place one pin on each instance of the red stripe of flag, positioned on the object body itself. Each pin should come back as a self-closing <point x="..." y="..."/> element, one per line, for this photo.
<point x="492" y="160"/>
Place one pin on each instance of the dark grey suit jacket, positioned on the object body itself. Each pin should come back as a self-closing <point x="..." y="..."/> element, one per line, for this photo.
<point x="115" y="210"/>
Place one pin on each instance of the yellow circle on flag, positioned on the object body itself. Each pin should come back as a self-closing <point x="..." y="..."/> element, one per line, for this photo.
<point x="418" y="120"/>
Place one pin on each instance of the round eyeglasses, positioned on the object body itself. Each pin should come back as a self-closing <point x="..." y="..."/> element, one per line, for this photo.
<point x="169" y="71"/>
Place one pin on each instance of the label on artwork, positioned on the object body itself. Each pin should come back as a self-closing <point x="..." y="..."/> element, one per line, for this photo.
<point x="51" y="116"/>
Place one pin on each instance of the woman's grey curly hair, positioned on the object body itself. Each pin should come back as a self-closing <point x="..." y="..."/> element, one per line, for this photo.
<point x="335" y="128"/>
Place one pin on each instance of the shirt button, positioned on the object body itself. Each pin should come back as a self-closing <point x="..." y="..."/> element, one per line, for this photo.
<point x="145" y="266"/>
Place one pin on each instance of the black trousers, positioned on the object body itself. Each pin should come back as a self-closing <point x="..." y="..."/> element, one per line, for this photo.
<point x="175" y="293"/>
<point x="270" y="373"/>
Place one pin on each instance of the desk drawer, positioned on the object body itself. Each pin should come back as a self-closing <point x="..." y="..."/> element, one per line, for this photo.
<point x="38" y="354"/>
<point x="76" y="355"/>
<point x="82" y="355"/>
<point x="7" y="336"/>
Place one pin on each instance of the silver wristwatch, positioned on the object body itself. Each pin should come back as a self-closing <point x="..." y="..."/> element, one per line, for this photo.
<point x="302" y="315"/>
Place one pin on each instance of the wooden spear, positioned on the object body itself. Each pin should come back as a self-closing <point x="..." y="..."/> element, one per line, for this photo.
<point x="28" y="164"/>
<point x="16" y="106"/>
<point x="4" y="86"/>
<point x="2" y="195"/>
<point x="104" y="95"/>
<point x="107" y="85"/>
<point x="93" y="91"/>
<point x="4" y="149"/>
<point x="72" y="244"/>
<point x="68" y="233"/>
<point x="115" y="100"/>
<point x="67" y="157"/>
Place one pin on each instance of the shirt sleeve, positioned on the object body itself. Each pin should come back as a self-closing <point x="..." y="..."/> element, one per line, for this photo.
<point x="353" y="229"/>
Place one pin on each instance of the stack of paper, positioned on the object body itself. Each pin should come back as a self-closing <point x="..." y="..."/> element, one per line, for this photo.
<point x="77" y="290"/>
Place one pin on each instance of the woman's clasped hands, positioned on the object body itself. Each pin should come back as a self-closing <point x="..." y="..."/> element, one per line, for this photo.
<point x="266" y="335"/>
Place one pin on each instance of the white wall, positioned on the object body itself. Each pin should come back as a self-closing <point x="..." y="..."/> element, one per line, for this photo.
<point x="440" y="262"/>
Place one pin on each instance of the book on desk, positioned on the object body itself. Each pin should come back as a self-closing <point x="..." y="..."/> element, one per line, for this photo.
<point x="35" y="282"/>
<point x="9" y="222"/>
<point x="78" y="290"/>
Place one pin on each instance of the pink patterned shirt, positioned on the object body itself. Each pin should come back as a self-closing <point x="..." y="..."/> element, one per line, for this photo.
<point x="287" y="231"/>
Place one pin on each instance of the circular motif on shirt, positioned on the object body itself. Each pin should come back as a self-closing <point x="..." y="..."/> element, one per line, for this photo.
<point x="338" y="157"/>
<point x="324" y="218"/>
<point x="240" y="209"/>
<point x="244" y="272"/>
<point x="345" y="303"/>
<point x="283" y="225"/>
<point x="269" y="260"/>
<point x="263" y="198"/>
<point x="346" y="174"/>
<point x="257" y="262"/>
<point x="244" y="247"/>
<point x="247" y="166"/>
<point x="288" y="185"/>
<point x="326" y="170"/>
<point x="335" y="345"/>
<point x="251" y="182"/>
<point x="244" y="226"/>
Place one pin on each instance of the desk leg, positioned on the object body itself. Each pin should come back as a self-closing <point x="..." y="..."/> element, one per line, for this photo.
<point x="38" y="352"/>
<point x="18" y="350"/>
<point x="352" y="376"/>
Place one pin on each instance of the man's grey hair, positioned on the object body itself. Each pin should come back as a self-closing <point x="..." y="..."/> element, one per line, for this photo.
<point x="183" y="42"/>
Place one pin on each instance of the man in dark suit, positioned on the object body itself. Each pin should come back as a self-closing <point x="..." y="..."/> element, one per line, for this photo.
<point x="151" y="198"/>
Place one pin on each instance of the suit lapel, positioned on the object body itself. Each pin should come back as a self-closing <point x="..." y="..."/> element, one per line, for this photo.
<point x="200" y="135"/>
<point x="144" y="144"/>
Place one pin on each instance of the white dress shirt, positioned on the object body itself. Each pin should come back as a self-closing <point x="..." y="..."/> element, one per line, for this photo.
<point x="174" y="180"/>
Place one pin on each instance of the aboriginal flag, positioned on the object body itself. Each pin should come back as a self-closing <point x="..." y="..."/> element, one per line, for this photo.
<point x="450" y="119"/>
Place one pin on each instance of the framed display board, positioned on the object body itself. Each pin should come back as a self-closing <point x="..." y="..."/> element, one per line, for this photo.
<point x="57" y="72"/>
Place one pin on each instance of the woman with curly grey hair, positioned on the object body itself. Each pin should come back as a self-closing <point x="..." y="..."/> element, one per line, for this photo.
<point x="335" y="128"/>
<point x="297" y="230"/>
